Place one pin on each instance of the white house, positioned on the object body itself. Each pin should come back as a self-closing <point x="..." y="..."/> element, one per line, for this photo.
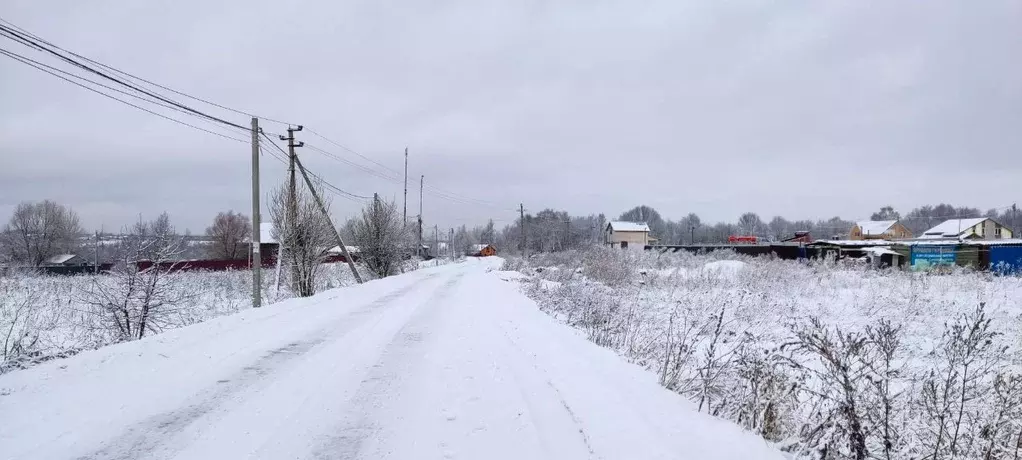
<point x="983" y="228"/>
<point x="627" y="235"/>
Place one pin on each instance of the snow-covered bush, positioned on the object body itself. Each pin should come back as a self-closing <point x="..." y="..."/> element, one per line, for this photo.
<point x="19" y="317"/>
<point x="826" y="359"/>
<point x="47" y="317"/>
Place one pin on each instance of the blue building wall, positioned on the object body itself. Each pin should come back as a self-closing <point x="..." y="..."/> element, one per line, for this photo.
<point x="1006" y="259"/>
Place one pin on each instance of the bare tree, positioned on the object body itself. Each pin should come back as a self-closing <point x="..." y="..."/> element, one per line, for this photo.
<point x="643" y="213"/>
<point x="228" y="233"/>
<point x="380" y="235"/>
<point x="38" y="231"/>
<point x="139" y="296"/>
<point x="487" y="234"/>
<point x="886" y="213"/>
<point x="750" y="224"/>
<point x="304" y="235"/>
<point x="780" y="228"/>
<point x="463" y="240"/>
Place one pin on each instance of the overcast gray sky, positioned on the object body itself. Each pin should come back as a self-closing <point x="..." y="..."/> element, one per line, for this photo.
<point x="805" y="109"/>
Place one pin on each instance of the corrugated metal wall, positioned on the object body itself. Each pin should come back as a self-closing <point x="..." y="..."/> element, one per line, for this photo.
<point x="967" y="256"/>
<point x="1006" y="259"/>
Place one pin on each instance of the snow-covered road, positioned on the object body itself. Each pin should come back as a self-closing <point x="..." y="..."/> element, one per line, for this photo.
<point x="446" y="362"/>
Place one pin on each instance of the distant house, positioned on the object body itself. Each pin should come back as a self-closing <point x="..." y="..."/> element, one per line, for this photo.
<point x="983" y="228"/>
<point x="879" y="230"/>
<point x="65" y="260"/>
<point x="353" y="250"/>
<point x="268" y="245"/>
<point x="483" y="250"/>
<point x="627" y="235"/>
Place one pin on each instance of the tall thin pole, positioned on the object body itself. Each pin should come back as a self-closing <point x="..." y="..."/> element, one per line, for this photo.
<point x="1014" y="225"/>
<point x="525" y="241"/>
<point x="450" y="244"/>
<point x="422" y="183"/>
<point x="404" y="217"/>
<point x="292" y="190"/>
<point x="95" y="268"/>
<point x="257" y="275"/>
<point x="377" y="221"/>
<point x="436" y="241"/>
<point x="322" y="208"/>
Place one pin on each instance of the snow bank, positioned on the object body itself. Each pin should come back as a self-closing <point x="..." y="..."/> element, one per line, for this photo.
<point x="725" y="267"/>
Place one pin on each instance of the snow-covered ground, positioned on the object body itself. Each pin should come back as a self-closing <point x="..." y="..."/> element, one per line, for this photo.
<point x="42" y="317"/>
<point x="444" y="362"/>
<point x="762" y="342"/>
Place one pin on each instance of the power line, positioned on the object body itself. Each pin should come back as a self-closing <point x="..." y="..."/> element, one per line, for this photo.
<point x="325" y="183"/>
<point x="136" y="77"/>
<point x="338" y="144"/>
<point x="455" y="198"/>
<point x="37" y="65"/>
<point x="18" y="58"/>
<point x="326" y="187"/>
<point x="438" y="192"/>
<point x="467" y="200"/>
<point x="362" y="168"/>
<point x="19" y="37"/>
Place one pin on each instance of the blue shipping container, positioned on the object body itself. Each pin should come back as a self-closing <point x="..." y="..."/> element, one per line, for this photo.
<point x="1006" y="259"/>
<point x="927" y="256"/>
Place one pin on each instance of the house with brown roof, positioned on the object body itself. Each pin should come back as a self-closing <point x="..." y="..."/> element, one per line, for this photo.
<point x="879" y="230"/>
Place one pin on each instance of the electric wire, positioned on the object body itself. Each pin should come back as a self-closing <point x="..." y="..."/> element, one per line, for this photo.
<point x="26" y="33"/>
<point x="16" y="36"/>
<point x="319" y="178"/>
<point x="18" y="58"/>
<point x="34" y="63"/>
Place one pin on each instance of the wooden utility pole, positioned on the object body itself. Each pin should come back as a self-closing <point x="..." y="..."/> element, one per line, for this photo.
<point x="292" y="190"/>
<point x="1014" y="224"/>
<point x="525" y="241"/>
<point x="257" y="275"/>
<point x="422" y="183"/>
<point x="322" y="208"/>
<point x="95" y="268"/>
<point x="377" y="221"/>
<point x="436" y="241"/>
<point x="404" y="217"/>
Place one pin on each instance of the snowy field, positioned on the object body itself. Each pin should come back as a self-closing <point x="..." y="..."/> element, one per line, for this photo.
<point x="446" y="362"/>
<point x="45" y="317"/>
<point x="825" y="360"/>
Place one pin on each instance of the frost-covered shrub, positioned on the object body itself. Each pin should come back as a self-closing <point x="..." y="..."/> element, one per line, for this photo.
<point x="827" y="359"/>
<point x="19" y="319"/>
<point x="47" y="317"/>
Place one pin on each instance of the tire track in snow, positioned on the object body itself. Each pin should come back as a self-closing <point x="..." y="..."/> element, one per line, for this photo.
<point x="156" y="436"/>
<point x="349" y="441"/>
<point x="517" y="349"/>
